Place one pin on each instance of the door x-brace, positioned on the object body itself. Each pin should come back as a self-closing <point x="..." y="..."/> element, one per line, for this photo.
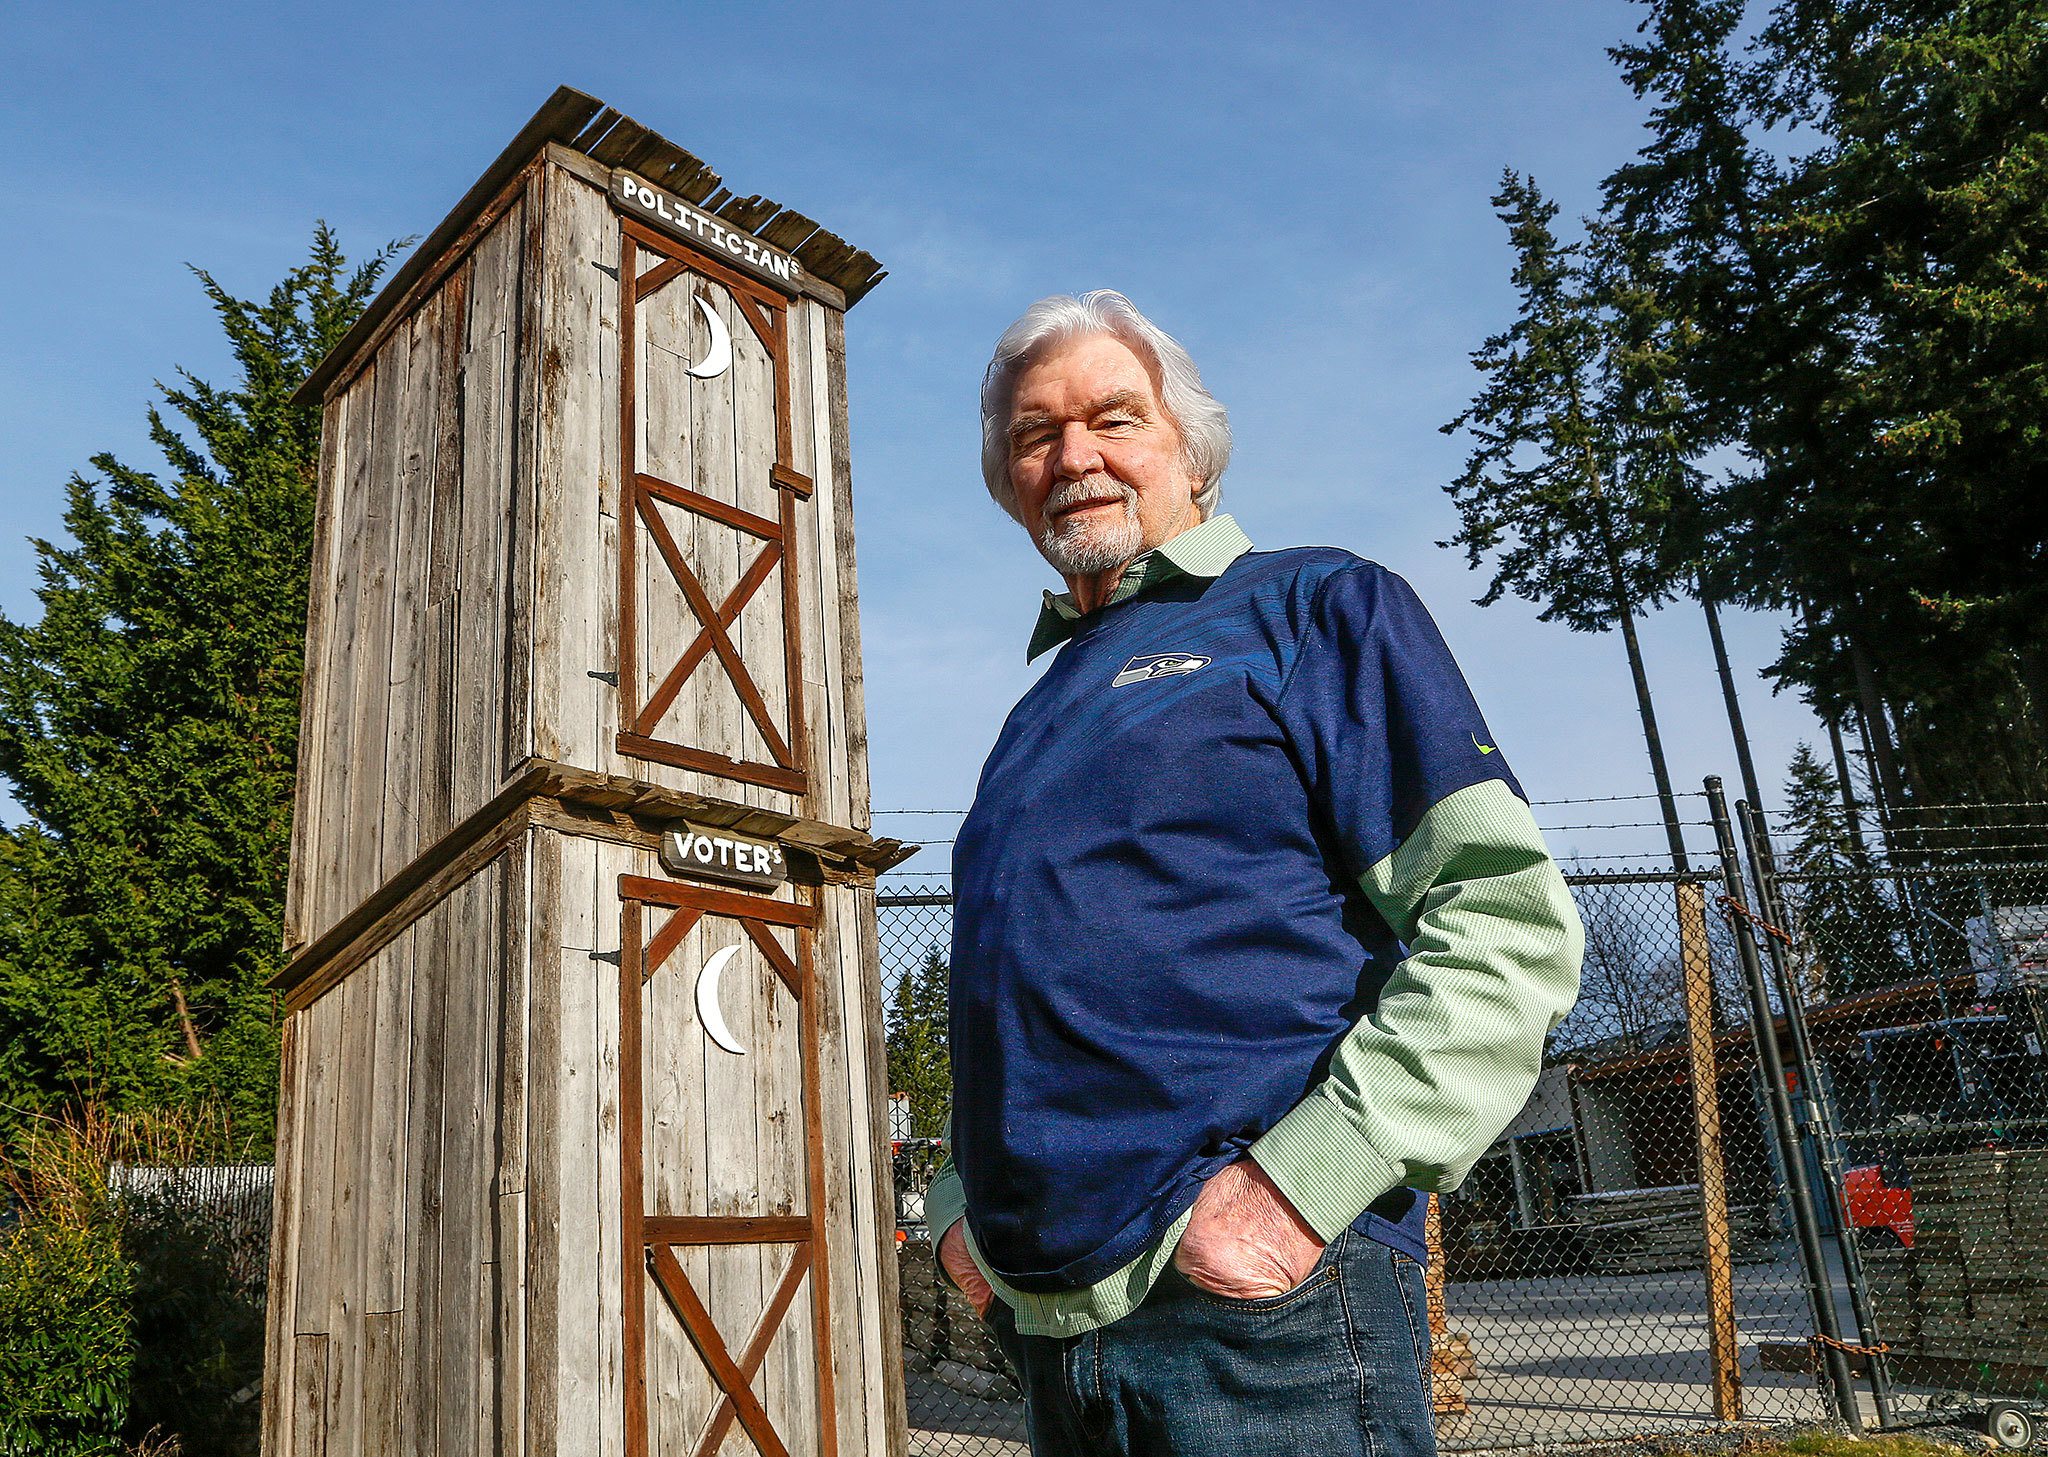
<point x="640" y="736"/>
<point x="678" y="908"/>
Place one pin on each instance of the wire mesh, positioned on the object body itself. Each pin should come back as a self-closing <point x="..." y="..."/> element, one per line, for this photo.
<point x="1922" y="966"/>
<point x="1624" y="1258"/>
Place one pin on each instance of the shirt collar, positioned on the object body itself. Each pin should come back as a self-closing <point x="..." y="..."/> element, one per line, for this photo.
<point x="1200" y="551"/>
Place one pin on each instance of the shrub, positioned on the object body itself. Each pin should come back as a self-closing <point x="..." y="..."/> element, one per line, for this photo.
<point x="65" y="1346"/>
<point x="126" y="1312"/>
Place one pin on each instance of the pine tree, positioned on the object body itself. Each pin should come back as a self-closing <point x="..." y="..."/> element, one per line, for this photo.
<point x="1848" y="937"/>
<point x="148" y="730"/>
<point x="1898" y="428"/>
<point x="1565" y="494"/>
<point x="918" y="1041"/>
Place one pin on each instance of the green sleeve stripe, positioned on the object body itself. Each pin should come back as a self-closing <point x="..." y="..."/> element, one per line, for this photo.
<point x="1417" y="1090"/>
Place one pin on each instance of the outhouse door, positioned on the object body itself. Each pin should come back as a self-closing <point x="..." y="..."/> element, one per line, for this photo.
<point x="707" y="539"/>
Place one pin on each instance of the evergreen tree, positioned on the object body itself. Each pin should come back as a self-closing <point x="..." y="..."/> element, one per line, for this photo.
<point x="1568" y="496"/>
<point x="1847" y="325"/>
<point x="1847" y="935"/>
<point x="148" y="729"/>
<point x="1916" y="236"/>
<point x="917" y="1037"/>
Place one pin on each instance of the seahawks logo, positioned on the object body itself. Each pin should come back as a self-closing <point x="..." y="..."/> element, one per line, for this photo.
<point x="1157" y="665"/>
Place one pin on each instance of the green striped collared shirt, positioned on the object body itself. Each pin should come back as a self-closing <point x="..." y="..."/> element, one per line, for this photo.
<point x="1418" y="1089"/>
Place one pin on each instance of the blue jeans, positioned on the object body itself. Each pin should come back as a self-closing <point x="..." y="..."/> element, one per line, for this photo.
<point x="1332" y="1367"/>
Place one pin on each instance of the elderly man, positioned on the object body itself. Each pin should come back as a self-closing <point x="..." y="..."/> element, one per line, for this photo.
<point x="1254" y="938"/>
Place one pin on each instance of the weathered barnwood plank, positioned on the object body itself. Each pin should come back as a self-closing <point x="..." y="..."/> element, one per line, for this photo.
<point x="333" y="863"/>
<point x="467" y="1135"/>
<point x="817" y="586"/>
<point x="522" y="544"/>
<point x="309" y="1393"/>
<point x="375" y="515"/>
<point x="489" y="436"/>
<point x="863" y="950"/>
<point x="414" y="673"/>
<point x="545" y="1144"/>
<point x="607" y="952"/>
<point x="435" y="783"/>
<point x="577" y="383"/>
<point x="314" y="693"/>
<point x="383" y="1386"/>
<point x="387" y="1130"/>
<point x="420" y="1250"/>
<point x="853" y="700"/>
<point x="286" y="1205"/>
<point x="353" y="1219"/>
<point x="321" y="1026"/>
<point x="513" y="1073"/>
<point x="759" y="630"/>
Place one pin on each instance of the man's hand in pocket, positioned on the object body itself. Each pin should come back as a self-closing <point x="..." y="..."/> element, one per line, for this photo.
<point x="1245" y="1239"/>
<point x="959" y="1264"/>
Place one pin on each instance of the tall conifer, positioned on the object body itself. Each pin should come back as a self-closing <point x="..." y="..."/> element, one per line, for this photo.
<point x="1556" y="489"/>
<point x="149" y="728"/>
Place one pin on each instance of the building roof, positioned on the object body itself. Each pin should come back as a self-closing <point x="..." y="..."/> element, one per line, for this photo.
<point x="584" y="124"/>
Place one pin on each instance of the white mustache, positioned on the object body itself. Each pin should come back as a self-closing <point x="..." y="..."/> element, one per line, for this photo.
<point x="1090" y="488"/>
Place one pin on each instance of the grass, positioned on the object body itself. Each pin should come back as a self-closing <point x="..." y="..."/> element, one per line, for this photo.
<point x="1836" y="1444"/>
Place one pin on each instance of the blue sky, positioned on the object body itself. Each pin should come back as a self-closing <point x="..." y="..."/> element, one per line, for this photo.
<point x="1299" y="193"/>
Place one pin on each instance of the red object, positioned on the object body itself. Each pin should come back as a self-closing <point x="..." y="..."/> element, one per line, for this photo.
<point x="1874" y="1204"/>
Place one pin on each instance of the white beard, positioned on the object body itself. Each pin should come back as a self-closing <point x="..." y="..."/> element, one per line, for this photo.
<point x="1083" y="546"/>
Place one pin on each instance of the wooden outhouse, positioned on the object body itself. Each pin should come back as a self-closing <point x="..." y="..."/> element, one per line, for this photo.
<point x="582" y="1145"/>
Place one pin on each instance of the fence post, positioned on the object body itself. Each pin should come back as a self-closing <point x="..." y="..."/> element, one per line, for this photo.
<point x="1763" y="1026"/>
<point x="1447" y="1353"/>
<point x="1820" y="1108"/>
<point x="1706" y="1109"/>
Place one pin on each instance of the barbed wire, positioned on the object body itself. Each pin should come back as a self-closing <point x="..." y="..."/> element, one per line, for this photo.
<point x="1871" y="809"/>
<point x="1622" y="798"/>
<point x="1969" y="829"/>
<point x="1631" y="825"/>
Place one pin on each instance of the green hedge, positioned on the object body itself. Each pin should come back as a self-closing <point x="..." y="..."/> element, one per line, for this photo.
<point x="65" y="1346"/>
<point x="129" y="1324"/>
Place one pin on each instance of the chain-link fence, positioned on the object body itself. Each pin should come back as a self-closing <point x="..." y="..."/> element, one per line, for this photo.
<point x="1917" y="947"/>
<point x="1844" y="1227"/>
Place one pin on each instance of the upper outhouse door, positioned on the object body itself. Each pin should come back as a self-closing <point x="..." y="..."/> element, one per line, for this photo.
<point x="710" y="675"/>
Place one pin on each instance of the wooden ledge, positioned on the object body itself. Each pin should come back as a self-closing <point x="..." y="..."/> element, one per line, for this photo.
<point x="575" y="801"/>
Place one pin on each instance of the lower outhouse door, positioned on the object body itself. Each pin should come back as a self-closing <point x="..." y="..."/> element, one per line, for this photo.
<point x="722" y="1203"/>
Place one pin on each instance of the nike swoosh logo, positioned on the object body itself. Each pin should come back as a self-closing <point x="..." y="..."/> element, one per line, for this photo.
<point x="1482" y="748"/>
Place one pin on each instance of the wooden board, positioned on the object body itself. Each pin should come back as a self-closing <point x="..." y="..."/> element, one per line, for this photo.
<point x="396" y="1187"/>
<point x="413" y="710"/>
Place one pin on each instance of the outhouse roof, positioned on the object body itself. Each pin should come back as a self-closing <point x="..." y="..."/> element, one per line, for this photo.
<point x="584" y="124"/>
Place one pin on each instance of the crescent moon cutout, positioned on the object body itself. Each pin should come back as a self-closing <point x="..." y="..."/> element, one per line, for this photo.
<point x="707" y="1002"/>
<point x="719" y="360"/>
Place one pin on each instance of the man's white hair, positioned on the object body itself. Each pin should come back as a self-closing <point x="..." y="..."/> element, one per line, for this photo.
<point x="1204" y="424"/>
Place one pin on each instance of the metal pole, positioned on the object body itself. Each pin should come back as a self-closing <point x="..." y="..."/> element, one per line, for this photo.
<point x="1733" y="703"/>
<point x="1763" y="1028"/>
<point x="1819" y="1104"/>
